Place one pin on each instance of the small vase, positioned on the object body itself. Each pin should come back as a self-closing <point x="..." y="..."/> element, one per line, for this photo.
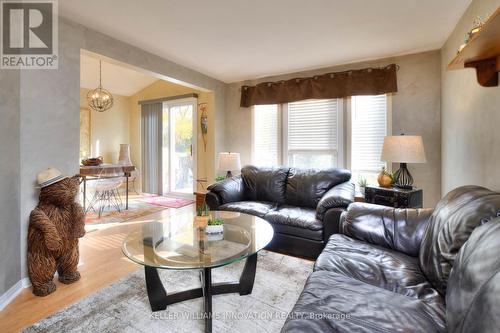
<point x="124" y="156"/>
<point x="214" y="229"/>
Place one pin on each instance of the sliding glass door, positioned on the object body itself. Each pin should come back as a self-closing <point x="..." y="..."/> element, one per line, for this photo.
<point x="179" y="146"/>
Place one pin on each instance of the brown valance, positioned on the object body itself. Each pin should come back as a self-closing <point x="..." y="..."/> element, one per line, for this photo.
<point x="367" y="81"/>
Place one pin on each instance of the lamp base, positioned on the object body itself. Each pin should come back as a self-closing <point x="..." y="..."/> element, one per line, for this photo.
<point x="403" y="177"/>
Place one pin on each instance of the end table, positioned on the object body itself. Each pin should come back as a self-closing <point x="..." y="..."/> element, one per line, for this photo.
<point x="394" y="197"/>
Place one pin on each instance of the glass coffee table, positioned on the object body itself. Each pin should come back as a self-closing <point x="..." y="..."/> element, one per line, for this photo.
<point x="179" y="243"/>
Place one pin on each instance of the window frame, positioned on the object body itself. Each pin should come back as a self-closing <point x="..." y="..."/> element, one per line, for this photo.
<point x="340" y="136"/>
<point x="344" y="132"/>
<point x="348" y="125"/>
<point x="279" y="135"/>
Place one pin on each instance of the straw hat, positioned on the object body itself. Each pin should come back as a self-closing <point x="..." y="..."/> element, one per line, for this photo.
<point x="49" y="176"/>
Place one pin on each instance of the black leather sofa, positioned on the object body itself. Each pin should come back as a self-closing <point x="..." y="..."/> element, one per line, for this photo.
<point x="303" y="206"/>
<point x="408" y="270"/>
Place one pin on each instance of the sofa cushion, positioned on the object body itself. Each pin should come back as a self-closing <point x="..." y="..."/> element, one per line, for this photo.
<point x="334" y="302"/>
<point x="473" y="293"/>
<point x="295" y="216"/>
<point x="257" y="208"/>
<point x="376" y="265"/>
<point x="265" y="184"/>
<point x="449" y="227"/>
<point x="316" y="235"/>
<point x="305" y="187"/>
<point x="396" y="229"/>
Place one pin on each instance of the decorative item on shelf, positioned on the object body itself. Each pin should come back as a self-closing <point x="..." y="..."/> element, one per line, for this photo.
<point x="100" y="99"/>
<point x="124" y="156"/>
<point x="215" y="226"/>
<point x="203" y="123"/>
<point x="384" y="178"/>
<point x="362" y="182"/>
<point x="481" y="50"/>
<point x="202" y="216"/>
<point x="229" y="162"/>
<point x="93" y="161"/>
<point x="403" y="149"/>
<point x="477" y="25"/>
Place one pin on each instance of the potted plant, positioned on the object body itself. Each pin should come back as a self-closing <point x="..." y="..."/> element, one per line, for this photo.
<point x="219" y="178"/>
<point x="215" y="226"/>
<point x="202" y="216"/>
<point x="362" y="182"/>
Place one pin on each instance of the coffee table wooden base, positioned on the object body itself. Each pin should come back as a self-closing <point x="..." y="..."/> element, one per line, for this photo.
<point x="159" y="299"/>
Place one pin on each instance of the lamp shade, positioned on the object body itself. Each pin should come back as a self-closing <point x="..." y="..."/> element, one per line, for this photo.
<point x="403" y="149"/>
<point x="229" y="161"/>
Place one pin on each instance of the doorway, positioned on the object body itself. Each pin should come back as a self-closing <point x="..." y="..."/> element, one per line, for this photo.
<point x="179" y="147"/>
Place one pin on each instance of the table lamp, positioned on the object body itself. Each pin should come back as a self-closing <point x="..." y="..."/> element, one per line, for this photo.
<point x="403" y="149"/>
<point x="229" y="162"/>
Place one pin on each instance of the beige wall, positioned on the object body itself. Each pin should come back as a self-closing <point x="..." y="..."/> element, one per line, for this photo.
<point x="160" y="89"/>
<point x="470" y="115"/>
<point x="110" y="128"/>
<point x="48" y="105"/>
<point x="415" y="110"/>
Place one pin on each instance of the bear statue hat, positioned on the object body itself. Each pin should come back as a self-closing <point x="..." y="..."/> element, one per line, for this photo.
<point x="49" y="176"/>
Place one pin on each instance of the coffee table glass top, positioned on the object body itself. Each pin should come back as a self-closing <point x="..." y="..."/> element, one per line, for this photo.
<point x="179" y="242"/>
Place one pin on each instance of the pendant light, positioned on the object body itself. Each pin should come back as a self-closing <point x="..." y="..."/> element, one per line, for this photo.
<point x="100" y="99"/>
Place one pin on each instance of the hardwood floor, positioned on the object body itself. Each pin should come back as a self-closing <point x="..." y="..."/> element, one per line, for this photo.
<point x="103" y="263"/>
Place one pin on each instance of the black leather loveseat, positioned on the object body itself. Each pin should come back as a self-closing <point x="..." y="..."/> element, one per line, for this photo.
<point x="303" y="206"/>
<point x="408" y="270"/>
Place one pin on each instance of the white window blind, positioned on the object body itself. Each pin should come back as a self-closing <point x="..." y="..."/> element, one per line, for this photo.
<point x="313" y="133"/>
<point x="369" y="127"/>
<point x="266" y="145"/>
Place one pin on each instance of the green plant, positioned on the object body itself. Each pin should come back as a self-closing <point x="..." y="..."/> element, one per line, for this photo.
<point x="203" y="210"/>
<point x="219" y="178"/>
<point x="362" y="182"/>
<point x="393" y="177"/>
<point x="215" y="221"/>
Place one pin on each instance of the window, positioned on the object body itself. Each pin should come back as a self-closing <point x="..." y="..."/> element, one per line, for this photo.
<point x="309" y="134"/>
<point x="313" y="134"/>
<point x="266" y="133"/>
<point x="369" y="124"/>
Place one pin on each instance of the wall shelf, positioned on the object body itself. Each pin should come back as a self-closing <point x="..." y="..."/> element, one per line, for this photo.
<point x="482" y="52"/>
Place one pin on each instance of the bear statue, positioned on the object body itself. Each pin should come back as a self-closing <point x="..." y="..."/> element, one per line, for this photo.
<point x="54" y="228"/>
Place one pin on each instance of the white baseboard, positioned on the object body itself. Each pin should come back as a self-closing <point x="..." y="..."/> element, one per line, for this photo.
<point x="26" y="282"/>
<point x="10" y="294"/>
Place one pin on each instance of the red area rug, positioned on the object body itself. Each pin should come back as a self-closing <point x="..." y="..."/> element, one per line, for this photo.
<point x="169" y="202"/>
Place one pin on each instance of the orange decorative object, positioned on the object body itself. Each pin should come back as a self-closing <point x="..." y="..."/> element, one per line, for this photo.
<point x="384" y="179"/>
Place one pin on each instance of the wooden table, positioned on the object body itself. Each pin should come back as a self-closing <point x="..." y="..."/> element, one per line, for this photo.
<point x="96" y="171"/>
<point x="200" y="199"/>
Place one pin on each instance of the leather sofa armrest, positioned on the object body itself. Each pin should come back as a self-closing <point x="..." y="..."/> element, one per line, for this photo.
<point x="340" y="196"/>
<point x="212" y="200"/>
<point x="331" y="222"/>
<point x="397" y="229"/>
<point x="228" y="190"/>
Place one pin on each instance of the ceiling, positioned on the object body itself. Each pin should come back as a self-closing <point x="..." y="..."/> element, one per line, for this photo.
<point x="117" y="79"/>
<point x="233" y="40"/>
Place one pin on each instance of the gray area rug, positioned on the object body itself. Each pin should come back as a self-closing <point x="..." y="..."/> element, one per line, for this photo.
<point x="123" y="306"/>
